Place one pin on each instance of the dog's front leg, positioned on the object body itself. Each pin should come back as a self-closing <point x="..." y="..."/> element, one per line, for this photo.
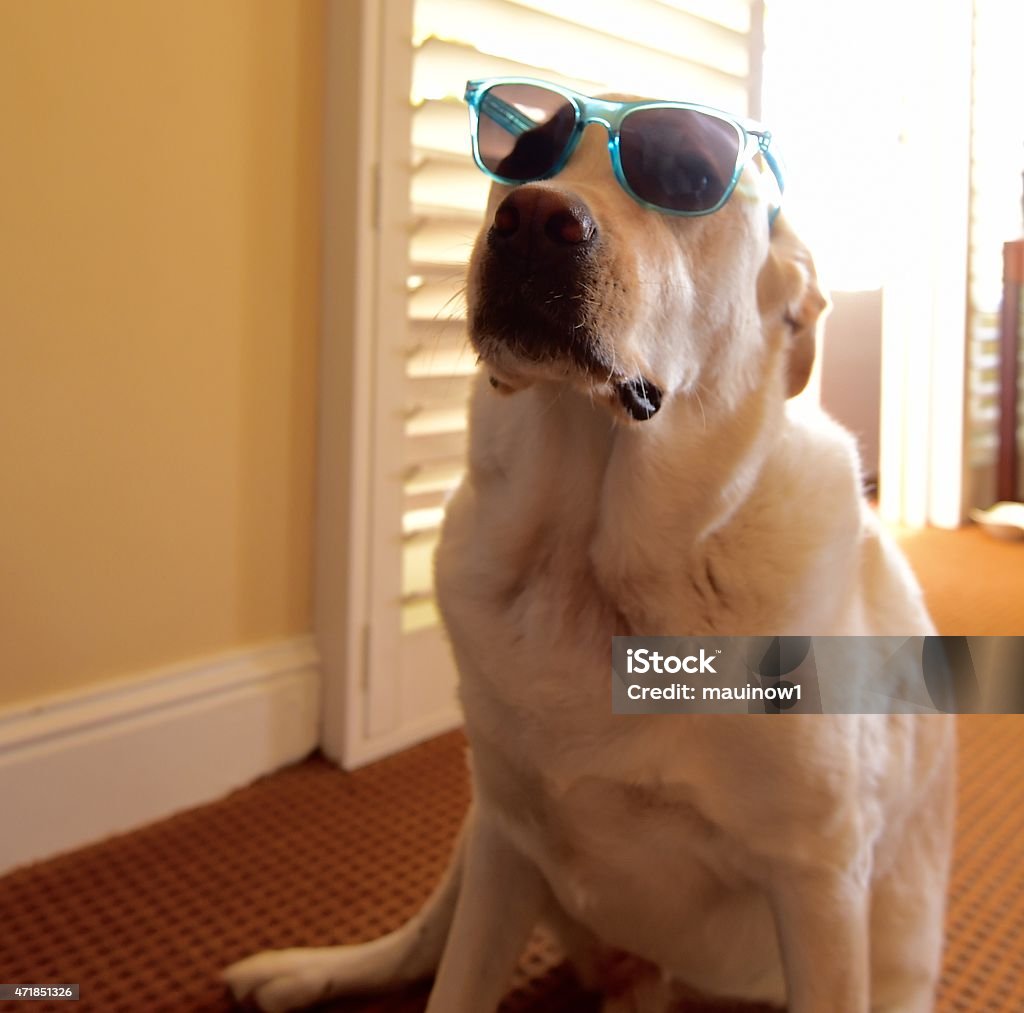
<point x="281" y="980"/>
<point x="501" y="897"/>
<point x="822" y="922"/>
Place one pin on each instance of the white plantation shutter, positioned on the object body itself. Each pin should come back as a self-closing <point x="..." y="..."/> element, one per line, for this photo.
<point x="701" y="50"/>
<point x="997" y="162"/>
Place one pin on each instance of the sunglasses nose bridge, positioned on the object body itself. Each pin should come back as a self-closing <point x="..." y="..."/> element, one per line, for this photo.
<point x="602" y="111"/>
<point x="607" y="114"/>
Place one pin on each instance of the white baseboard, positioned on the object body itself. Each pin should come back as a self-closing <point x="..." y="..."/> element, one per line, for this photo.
<point x="77" y="768"/>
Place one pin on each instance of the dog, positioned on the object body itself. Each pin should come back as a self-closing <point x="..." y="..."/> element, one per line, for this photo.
<point x="636" y="467"/>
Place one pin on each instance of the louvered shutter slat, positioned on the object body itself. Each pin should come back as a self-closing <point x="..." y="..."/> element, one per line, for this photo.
<point x="657" y="49"/>
<point x="443" y="240"/>
<point x="734" y="14"/>
<point x="448" y="184"/>
<point x="442" y="68"/>
<point x="673" y="32"/>
<point x="440" y="126"/>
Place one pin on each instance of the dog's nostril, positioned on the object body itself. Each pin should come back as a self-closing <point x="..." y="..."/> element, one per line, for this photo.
<point x="570" y="227"/>
<point x="506" y="220"/>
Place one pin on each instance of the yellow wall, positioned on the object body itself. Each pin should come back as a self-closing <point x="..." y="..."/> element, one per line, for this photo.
<point x="159" y="306"/>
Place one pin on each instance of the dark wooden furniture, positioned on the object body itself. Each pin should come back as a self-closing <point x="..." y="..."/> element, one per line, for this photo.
<point x="1008" y="466"/>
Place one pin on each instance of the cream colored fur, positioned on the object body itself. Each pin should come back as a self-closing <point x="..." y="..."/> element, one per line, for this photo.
<point x="800" y="860"/>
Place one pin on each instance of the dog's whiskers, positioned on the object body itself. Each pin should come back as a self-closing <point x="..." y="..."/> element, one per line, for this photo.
<point x="700" y="404"/>
<point x="459" y="293"/>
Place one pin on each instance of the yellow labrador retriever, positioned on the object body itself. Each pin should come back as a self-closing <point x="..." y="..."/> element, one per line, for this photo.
<point x="642" y="317"/>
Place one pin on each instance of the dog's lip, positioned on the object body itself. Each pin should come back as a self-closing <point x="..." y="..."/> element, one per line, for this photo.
<point x="634" y="392"/>
<point x="640" y="397"/>
<point x="509" y="364"/>
<point x="577" y="356"/>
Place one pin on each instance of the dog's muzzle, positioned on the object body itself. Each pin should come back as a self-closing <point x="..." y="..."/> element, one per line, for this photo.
<point x="541" y="256"/>
<point x="541" y="253"/>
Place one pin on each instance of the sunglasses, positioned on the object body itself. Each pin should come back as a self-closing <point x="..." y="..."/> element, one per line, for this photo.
<point x="675" y="157"/>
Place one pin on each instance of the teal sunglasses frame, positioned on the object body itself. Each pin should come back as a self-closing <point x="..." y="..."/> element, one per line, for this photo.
<point x="752" y="138"/>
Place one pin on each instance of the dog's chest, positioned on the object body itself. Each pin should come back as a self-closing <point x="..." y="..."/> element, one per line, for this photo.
<point x="599" y="802"/>
<point x="624" y="853"/>
<point x="602" y="803"/>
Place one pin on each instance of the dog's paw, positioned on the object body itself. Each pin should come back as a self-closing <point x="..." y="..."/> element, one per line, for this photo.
<point x="280" y="980"/>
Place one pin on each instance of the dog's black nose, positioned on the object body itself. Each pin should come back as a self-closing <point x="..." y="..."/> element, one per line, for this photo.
<point x="542" y="225"/>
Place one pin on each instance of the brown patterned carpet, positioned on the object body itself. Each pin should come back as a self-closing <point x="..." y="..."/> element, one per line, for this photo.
<point x="973" y="583"/>
<point x="312" y="856"/>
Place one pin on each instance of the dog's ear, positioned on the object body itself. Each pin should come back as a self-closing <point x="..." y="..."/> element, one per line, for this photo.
<point x="788" y="296"/>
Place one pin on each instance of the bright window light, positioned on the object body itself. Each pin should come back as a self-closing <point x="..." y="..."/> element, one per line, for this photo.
<point x="833" y="98"/>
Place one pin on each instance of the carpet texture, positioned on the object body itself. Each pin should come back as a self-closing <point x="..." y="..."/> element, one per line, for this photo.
<point x="314" y="856"/>
<point x="973" y="583"/>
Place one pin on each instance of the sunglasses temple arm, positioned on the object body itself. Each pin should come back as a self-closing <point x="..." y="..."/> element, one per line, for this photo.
<point x="773" y="164"/>
<point x="505" y="115"/>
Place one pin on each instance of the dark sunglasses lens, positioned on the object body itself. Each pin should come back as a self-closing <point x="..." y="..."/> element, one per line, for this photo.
<point x="678" y="159"/>
<point x="523" y="130"/>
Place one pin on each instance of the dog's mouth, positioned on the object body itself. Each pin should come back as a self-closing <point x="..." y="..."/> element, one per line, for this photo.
<point x="518" y="346"/>
<point x="640" y="397"/>
<point x="515" y="356"/>
<point x="529" y="325"/>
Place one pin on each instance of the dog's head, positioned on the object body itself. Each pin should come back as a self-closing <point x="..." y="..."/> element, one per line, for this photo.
<point x="572" y="279"/>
